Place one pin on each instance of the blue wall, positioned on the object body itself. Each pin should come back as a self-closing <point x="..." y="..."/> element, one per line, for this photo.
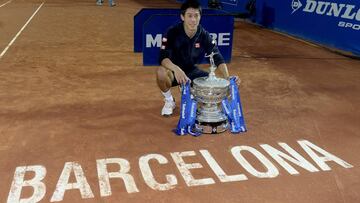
<point x="332" y="23"/>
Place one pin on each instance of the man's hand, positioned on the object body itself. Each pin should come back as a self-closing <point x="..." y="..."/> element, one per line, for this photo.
<point x="180" y="76"/>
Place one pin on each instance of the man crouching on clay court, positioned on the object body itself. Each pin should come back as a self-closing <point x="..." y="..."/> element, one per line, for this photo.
<point x="183" y="46"/>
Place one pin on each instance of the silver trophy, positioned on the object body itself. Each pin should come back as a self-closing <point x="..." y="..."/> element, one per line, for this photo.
<point x="209" y="92"/>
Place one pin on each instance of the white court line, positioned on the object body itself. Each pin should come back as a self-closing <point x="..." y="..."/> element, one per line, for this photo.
<point x="17" y="35"/>
<point x="5" y="3"/>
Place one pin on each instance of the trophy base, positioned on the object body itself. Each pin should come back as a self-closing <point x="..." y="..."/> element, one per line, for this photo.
<point x="211" y="127"/>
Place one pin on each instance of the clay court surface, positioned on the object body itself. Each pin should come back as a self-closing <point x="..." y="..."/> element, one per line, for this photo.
<point x="73" y="91"/>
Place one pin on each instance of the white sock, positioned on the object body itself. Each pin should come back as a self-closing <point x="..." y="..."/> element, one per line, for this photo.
<point x="168" y="95"/>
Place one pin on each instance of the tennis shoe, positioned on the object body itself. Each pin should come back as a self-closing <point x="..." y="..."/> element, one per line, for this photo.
<point x="168" y="108"/>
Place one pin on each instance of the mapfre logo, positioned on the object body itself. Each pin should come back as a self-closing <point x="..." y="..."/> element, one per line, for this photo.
<point x="348" y="13"/>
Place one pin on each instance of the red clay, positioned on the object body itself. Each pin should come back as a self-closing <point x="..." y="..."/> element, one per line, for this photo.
<point x="72" y="90"/>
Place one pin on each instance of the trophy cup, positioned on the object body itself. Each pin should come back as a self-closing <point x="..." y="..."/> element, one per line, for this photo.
<point x="209" y="92"/>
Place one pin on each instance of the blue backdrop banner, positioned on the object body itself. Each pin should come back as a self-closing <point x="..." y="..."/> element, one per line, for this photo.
<point x="144" y="14"/>
<point x="332" y="23"/>
<point x="139" y="20"/>
<point x="219" y="26"/>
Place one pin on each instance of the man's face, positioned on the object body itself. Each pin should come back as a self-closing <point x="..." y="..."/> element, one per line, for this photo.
<point x="191" y="19"/>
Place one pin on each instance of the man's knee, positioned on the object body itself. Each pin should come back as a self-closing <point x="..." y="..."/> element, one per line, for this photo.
<point x="164" y="78"/>
<point x="164" y="74"/>
<point x="161" y="73"/>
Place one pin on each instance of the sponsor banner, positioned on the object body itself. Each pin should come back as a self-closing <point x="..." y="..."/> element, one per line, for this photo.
<point x="332" y="23"/>
<point x="219" y="26"/>
<point x="144" y="14"/>
<point x="139" y="20"/>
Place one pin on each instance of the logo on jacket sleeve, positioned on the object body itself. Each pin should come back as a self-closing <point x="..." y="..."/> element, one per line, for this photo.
<point x="197" y="45"/>
<point x="164" y="43"/>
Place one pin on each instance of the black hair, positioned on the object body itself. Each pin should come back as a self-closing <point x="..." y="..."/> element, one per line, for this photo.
<point x="190" y="4"/>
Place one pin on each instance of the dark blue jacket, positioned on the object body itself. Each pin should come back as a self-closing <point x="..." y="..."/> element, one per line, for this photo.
<point x="186" y="52"/>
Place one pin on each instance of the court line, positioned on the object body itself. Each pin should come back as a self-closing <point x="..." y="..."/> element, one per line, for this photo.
<point x="17" y="35"/>
<point x="5" y="3"/>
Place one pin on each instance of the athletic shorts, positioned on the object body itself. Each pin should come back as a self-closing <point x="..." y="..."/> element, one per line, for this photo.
<point x="196" y="73"/>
